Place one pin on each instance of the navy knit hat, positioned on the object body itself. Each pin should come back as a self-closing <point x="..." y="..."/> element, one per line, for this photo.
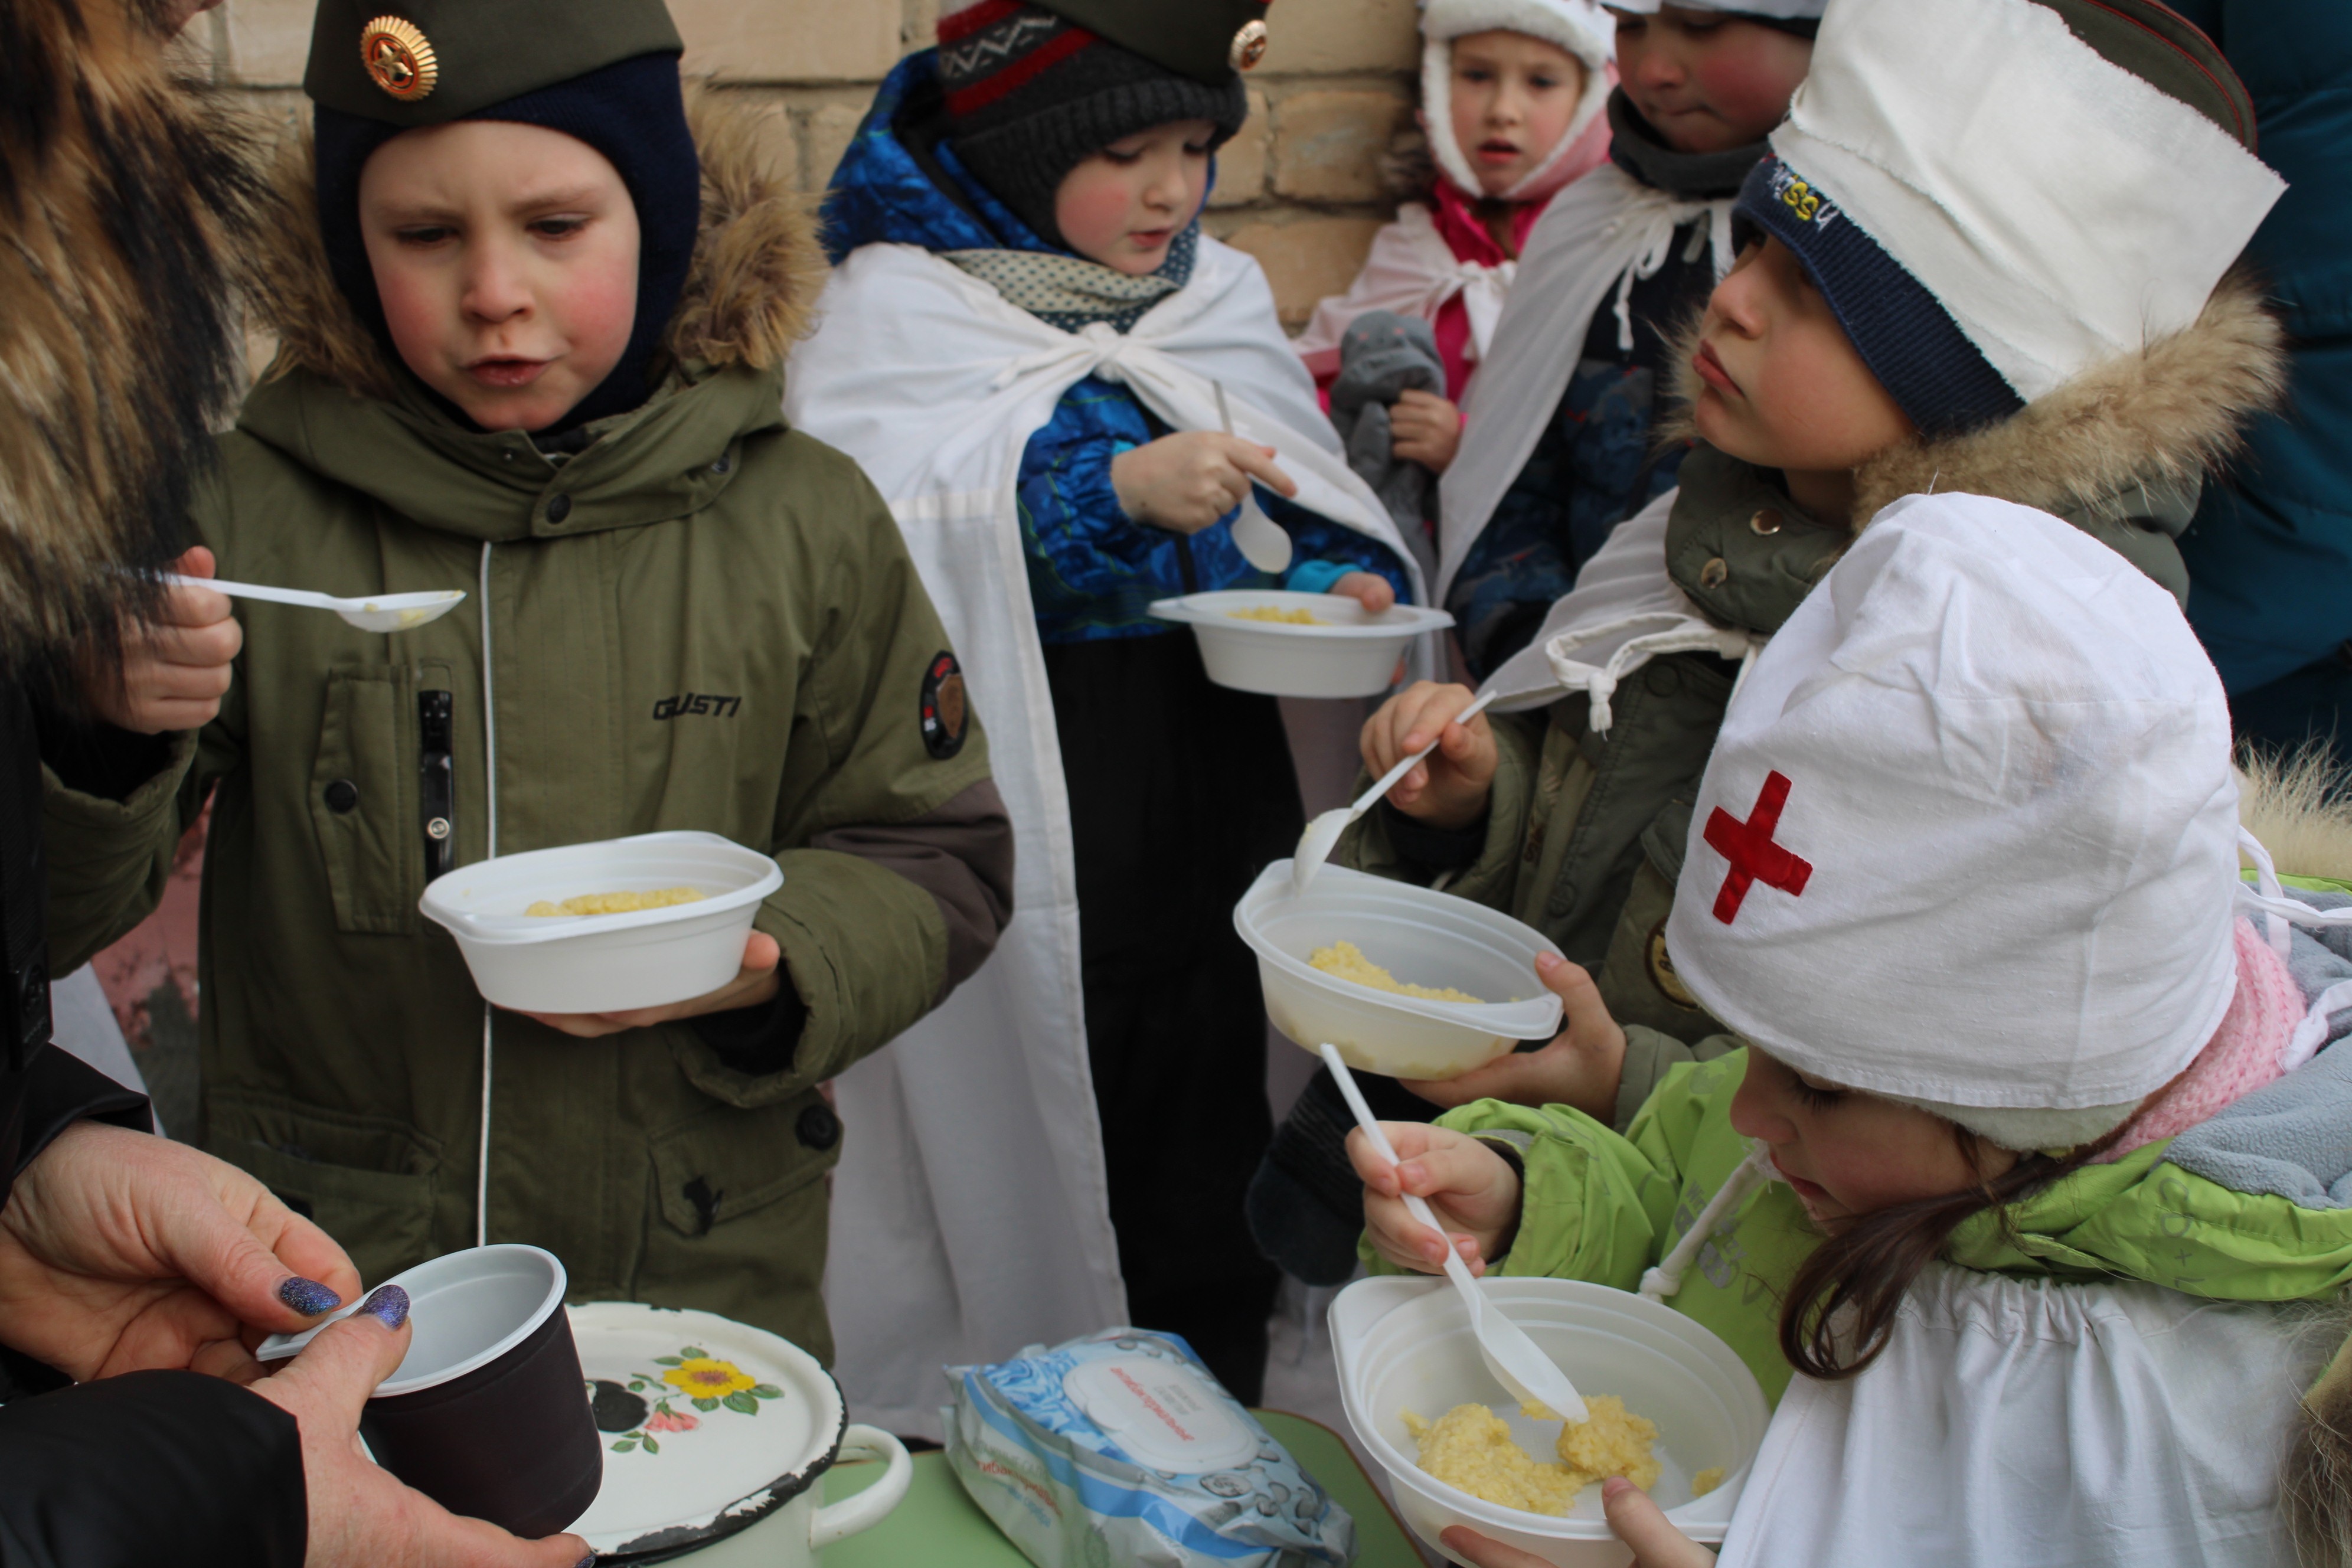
<point x="632" y="112"/>
<point x="1032" y="95"/>
<point x="1909" y="340"/>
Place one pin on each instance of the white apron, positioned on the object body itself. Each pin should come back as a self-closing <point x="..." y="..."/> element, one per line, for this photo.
<point x="970" y="1212"/>
<point x="1594" y="238"/>
<point x="2024" y="1424"/>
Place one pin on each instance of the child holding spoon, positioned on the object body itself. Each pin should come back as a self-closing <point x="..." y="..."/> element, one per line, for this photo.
<point x="1863" y="347"/>
<point x="1971" y="1180"/>
<point x="532" y="317"/>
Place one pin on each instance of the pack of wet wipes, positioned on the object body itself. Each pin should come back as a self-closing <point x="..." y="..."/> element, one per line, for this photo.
<point x="1121" y="1448"/>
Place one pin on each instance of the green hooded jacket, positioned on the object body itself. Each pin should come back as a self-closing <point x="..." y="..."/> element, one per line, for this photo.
<point x="1603" y="1207"/>
<point x="697" y="619"/>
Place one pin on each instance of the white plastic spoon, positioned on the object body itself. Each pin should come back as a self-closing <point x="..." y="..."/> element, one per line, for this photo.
<point x="1259" y="538"/>
<point x="1515" y="1362"/>
<point x="1529" y="1376"/>
<point x="376" y="613"/>
<point x="1322" y="835"/>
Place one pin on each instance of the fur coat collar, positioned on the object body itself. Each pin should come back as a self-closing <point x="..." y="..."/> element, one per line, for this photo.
<point x="128" y="199"/>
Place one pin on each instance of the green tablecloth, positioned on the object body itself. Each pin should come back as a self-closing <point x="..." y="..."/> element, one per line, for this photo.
<point x="939" y="1527"/>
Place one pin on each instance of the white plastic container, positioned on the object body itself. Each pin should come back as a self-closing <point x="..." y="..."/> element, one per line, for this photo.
<point x="1421" y="936"/>
<point x="1352" y="653"/>
<point x="604" y="963"/>
<point x="1406" y="1344"/>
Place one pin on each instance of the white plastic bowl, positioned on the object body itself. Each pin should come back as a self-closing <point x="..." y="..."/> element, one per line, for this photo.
<point x="604" y="963"/>
<point x="1353" y="655"/>
<point x="1421" y="936"/>
<point x="1406" y="1344"/>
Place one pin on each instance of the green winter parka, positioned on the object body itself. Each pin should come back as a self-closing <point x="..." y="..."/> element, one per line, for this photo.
<point x="699" y="619"/>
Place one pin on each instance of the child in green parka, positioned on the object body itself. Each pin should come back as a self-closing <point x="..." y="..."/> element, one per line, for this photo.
<point x="531" y="324"/>
<point x="1867" y="344"/>
<point x="2008" y="1040"/>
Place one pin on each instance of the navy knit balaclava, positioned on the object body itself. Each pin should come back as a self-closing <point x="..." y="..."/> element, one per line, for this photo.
<point x="634" y="112"/>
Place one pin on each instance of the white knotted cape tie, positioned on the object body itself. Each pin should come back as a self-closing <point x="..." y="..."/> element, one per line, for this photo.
<point x="1483" y="289"/>
<point x="2280" y="913"/>
<point x="1675" y="633"/>
<point x="1095" y="346"/>
<point x="1666" y="1277"/>
<point x="1657" y="243"/>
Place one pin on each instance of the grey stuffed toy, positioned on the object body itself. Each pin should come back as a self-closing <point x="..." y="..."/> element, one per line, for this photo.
<point x="1381" y="355"/>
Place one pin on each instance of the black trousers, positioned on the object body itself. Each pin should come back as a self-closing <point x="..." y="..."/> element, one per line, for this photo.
<point x="1180" y="793"/>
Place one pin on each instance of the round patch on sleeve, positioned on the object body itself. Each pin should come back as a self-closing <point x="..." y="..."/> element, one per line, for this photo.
<point x="1662" y="971"/>
<point x="947" y="714"/>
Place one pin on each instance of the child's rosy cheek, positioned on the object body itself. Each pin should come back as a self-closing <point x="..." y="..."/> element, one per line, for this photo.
<point x="1742" y="90"/>
<point x="1102" y="206"/>
<point x="604" y="307"/>
<point x="414" y="314"/>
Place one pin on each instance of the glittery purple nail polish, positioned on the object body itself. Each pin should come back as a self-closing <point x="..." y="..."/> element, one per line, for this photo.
<point x="587" y="1561"/>
<point x="308" y="1297"/>
<point x="388" y="1304"/>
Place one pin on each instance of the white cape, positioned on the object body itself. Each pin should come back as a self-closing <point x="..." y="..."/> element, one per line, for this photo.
<point x="970" y="1216"/>
<point x="1624" y="611"/>
<point x="1414" y="272"/>
<point x="1597" y="233"/>
<point x="2024" y="1423"/>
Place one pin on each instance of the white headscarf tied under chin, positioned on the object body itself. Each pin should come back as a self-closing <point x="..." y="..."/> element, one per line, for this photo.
<point x="1579" y="27"/>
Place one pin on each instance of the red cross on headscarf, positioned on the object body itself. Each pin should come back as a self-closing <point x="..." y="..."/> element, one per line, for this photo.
<point x="1754" y="857"/>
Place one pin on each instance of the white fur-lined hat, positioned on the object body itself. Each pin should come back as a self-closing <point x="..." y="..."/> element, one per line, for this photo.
<point x="1969" y="838"/>
<point x="1579" y="27"/>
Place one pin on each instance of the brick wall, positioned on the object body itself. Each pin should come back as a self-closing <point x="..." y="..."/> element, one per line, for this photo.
<point x="1300" y="188"/>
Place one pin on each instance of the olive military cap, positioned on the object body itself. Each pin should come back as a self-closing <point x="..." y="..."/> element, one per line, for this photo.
<point x="1208" y="40"/>
<point x="427" y="62"/>
<point x="2163" y="48"/>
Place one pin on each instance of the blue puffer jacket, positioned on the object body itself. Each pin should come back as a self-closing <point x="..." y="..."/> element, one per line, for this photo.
<point x="1091" y="570"/>
<point x="2271" y="553"/>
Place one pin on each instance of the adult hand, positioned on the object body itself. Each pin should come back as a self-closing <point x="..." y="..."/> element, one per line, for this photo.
<point x="754" y="985"/>
<point x="1369" y="589"/>
<point x="361" y="1515"/>
<point x="1581" y="1067"/>
<point x="1184" y="483"/>
<point x="175" y="669"/>
<point x="1472" y="1190"/>
<point x="1450" y="786"/>
<point x="1424" y="428"/>
<point x="120" y="1252"/>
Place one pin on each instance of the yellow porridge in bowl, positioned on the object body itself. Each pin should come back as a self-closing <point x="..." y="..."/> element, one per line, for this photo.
<point x="616" y="903"/>
<point x="1707" y="1480"/>
<point x="1470" y="1449"/>
<point x="1278" y="616"/>
<point x="1346" y="961"/>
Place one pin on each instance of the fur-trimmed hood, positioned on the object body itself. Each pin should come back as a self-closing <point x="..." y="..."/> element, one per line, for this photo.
<point x="127" y="200"/>
<point x="751" y="292"/>
<point x="2162" y="419"/>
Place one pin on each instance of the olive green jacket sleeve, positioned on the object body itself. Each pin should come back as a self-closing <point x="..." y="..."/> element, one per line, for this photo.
<point x="896" y="861"/>
<point x="109" y="859"/>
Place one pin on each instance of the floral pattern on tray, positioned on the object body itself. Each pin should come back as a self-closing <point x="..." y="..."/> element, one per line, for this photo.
<point x="647" y="1406"/>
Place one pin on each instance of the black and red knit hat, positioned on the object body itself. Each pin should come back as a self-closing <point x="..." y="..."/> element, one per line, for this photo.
<point x="1032" y="91"/>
